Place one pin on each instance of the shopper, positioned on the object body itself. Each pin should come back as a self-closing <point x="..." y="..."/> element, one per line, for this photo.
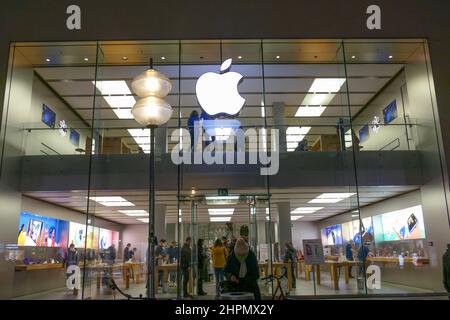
<point x="21" y="236"/>
<point x="290" y="258"/>
<point x="185" y="265"/>
<point x="110" y="254"/>
<point x="349" y="255"/>
<point x="126" y="253"/>
<point x="225" y="243"/>
<point x="363" y="253"/>
<point x="160" y="254"/>
<point x="193" y="120"/>
<point x="218" y="255"/>
<point x="172" y="253"/>
<point x="232" y="244"/>
<point x="71" y="260"/>
<point x="201" y="263"/>
<point x="242" y="269"/>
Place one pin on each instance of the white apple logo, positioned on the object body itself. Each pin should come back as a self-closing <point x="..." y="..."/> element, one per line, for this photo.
<point x="218" y="93"/>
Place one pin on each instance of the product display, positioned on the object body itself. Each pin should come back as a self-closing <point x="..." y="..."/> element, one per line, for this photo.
<point x="390" y="112"/>
<point x="354" y="230"/>
<point x="48" y="116"/>
<point x="332" y="235"/>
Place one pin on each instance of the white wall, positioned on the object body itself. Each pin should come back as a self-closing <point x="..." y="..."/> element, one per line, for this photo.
<point x="137" y="235"/>
<point x="304" y="230"/>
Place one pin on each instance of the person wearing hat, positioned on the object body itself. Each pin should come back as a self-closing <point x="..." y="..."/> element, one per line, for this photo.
<point x="242" y="268"/>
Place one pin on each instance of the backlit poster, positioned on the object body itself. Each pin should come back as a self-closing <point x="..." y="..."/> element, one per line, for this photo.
<point x="332" y="235"/>
<point x="92" y="237"/>
<point x="40" y="231"/>
<point x="105" y="239"/>
<point x="77" y="234"/>
<point x="351" y="230"/>
<point x="404" y="224"/>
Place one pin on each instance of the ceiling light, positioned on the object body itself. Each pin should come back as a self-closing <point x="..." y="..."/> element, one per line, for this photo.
<point x="390" y="57"/>
<point x="48" y="60"/>
<point x="218" y="200"/>
<point x="294" y="135"/>
<point x="124" y="58"/>
<point x="327" y="85"/>
<point x="221" y="212"/>
<point x="239" y="57"/>
<point x="134" y="213"/>
<point x="294" y="218"/>
<point x="220" y="219"/>
<point x="86" y="59"/>
<point x="163" y="58"/>
<point x="143" y="220"/>
<point x="118" y="96"/>
<point x="180" y="213"/>
<point x="108" y="87"/>
<point x="309" y="111"/>
<point x="142" y="138"/>
<point x="306" y="210"/>
<point x="112" y="201"/>
<point x="278" y="57"/>
<point x="193" y="191"/>
<point x="267" y="211"/>
<point x="331" y="197"/>
<point x="353" y="57"/>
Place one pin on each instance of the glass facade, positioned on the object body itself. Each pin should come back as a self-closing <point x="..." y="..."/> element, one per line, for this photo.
<point x="336" y="141"/>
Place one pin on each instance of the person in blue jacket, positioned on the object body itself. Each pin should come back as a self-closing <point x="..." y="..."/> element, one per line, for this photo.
<point x="192" y="120"/>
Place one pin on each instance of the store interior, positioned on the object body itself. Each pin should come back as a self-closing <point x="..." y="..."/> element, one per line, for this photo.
<point x="358" y="160"/>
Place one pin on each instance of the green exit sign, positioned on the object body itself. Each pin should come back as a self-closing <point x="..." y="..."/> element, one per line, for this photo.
<point x="222" y="192"/>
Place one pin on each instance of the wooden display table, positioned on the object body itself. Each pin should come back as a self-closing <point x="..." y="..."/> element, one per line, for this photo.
<point x="333" y="265"/>
<point x="395" y="260"/>
<point x="165" y="268"/>
<point x="276" y="270"/>
<point x="135" y="269"/>
<point x="42" y="266"/>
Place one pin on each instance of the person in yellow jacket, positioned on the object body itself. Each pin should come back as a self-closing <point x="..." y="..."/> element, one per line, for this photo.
<point x="219" y="258"/>
<point x="21" y="238"/>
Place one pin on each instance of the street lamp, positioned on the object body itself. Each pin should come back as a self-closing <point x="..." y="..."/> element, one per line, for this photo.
<point x="151" y="111"/>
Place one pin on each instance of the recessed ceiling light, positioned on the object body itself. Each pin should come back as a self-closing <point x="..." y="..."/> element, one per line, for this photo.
<point x="124" y="58"/>
<point x="221" y="212"/>
<point x="331" y="197"/>
<point x="390" y="57"/>
<point x="48" y="60"/>
<point x="163" y="58"/>
<point x="294" y="218"/>
<point x="142" y="138"/>
<point x="326" y="85"/>
<point x="239" y="57"/>
<point x="144" y="220"/>
<point x="86" y="59"/>
<point x="135" y="213"/>
<point x="294" y="135"/>
<point x="220" y="219"/>
<point x="277" y="57"/>
<point x="309" y="111"/>
<point x="353" y="57"/>
<point x="306" y="210"/>
<point x="112" y="201"/>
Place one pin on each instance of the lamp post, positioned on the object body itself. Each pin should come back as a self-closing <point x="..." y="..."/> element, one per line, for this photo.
<point x="151" y="111"/>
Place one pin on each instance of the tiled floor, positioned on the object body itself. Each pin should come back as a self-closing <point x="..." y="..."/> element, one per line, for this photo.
<point x="302" y="288"/>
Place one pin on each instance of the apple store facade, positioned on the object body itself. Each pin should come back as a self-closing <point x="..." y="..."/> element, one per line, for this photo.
<point x="334" y="144"/>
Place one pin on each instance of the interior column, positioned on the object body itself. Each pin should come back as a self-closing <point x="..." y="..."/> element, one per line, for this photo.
<point x="160" y="221"/>
<point x="284" y="224"/>
<point x="278" y="114"/>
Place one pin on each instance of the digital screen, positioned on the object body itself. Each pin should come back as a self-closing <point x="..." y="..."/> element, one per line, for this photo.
<point x="77" y="235"/>
<point x="332" y="235"/>
<point x="404" y="224"/>
<point x="364" y="133"/>
<point x="390" y="112"/>
<point x="352" y="230"/>
<point x="92" y="237"/>
<point x="48" y="116"/>
<point x="38" y="231"/>
<point x="107" y="238"/>
<point x="74" y="137"/>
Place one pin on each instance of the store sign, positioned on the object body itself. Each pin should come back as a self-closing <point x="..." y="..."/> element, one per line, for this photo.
<point x="218" y="93"/>
<point x="313" y="251"/>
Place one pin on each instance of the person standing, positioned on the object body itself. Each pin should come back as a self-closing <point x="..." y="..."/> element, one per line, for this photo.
<point x="349" y="256"/>
<point x="201" y="257"/>
<point x="290" y="258"/>
<point x="160" y="253"/>
<point x="218" y="255"/>
<point x="192" y="122"/>
<point x="242" y="269"/>
<point x="185" y="265"/>
<point x="363" y="253"/>
<point x="126" y="253"/>
<point x="72" y="259"/>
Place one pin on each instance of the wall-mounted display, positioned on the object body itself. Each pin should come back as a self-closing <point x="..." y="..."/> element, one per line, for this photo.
<point x="39" y="231"/>
<point x="404" y="224"/>
<point x="92" y="237"/>
<point x="77" y="235"/>
<point x="332" y="235"/>
<point x="390" y="112"/>
<point x="48" y="116"/>
<point x="364" y="133"/>
<point x="74" y="137"/>
<point x="354" y="230"/>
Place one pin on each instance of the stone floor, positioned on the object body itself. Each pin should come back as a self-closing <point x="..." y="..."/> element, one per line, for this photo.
<point x="303" y="288"/>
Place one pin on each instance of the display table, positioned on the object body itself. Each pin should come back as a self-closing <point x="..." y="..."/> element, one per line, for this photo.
<point x="135" y="269"/>
<point x="333" y="265"/>
<point x="276" y="270"/>
<point x="32" y="267"/>
<point x="165" y="268"/>
<point x="407" y="260"/>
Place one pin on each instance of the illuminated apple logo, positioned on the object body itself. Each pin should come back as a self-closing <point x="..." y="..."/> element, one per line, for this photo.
<point x="218" y="93"/>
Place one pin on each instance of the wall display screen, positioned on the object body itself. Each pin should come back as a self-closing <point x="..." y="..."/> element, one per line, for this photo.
<point x="352" y="230"/>
<point x="390" y="112"/>
<point x="48" y="116"/>
<point x="77" y="234"/>
<point x="364" y="133"/>
<point x="74" y="137"/>
<point x="404" y="224"/>
<point x="92" y="237"/>
<point x="39" y="231"/>
<point x="107" y="238"/>
<point x="332" y="235"/>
